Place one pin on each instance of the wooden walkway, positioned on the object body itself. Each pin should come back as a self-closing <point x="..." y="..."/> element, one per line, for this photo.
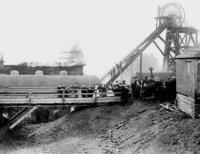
<point x="30" y="99"/>
<point x="27" y="97"/>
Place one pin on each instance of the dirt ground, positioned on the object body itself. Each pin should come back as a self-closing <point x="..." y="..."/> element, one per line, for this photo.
<point x="139" y="127"/>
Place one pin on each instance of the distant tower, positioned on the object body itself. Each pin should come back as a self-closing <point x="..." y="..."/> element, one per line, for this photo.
<point x="178" y="37"/>
<point x="74" y="56"/>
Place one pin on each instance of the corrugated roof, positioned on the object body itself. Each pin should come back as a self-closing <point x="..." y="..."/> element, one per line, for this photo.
<point x="45" y="80"/>
<point x="193" y="52"/>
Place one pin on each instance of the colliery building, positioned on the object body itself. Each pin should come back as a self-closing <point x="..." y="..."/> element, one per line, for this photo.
<point x="41" y="70"/>
<point x="73" y="65"/>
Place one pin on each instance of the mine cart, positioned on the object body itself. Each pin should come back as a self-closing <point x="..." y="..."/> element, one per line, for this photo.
<point x="188" y="81"/>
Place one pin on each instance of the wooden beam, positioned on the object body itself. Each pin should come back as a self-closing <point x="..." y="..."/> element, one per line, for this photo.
<point x="188" y="41"/>
<point x="158" y="48"/>
<point x="61" y="105"/>
<point x="196" y="37"/>
<point x="20" y="100"/>
<point x="166" y="43"/>
<point x="138" y="50"/>
<point x="133" y="57"/>
<point x="167" y="106"/>
<point x="58" y="101"/>
<point x="182" y="39"/>
<point x="18" y="113"/>
<point x="23" y="117"/>
<point x="157" y="31"/>
<point x="141" y="66"/>
<point x="24" y="96"/>
<point x="173" y="60"/>
<point x="192" y="38"/>
<point x="36" y="88"/>
<point x="182" y="50"/>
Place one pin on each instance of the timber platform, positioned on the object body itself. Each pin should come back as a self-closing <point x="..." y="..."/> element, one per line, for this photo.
<point x="29" y="99"/>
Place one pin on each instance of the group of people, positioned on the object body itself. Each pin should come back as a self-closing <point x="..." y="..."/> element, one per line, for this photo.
<point x="98" y="90"/>
<point x="120" y="89"/>
<point x="152" y="86"/>
<point x="74" y="91"/>
<point x="149" y="87"/>
<point x="117" y="69"/>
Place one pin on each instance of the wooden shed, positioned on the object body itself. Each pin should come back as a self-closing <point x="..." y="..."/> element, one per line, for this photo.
<point x="188" y="80"/>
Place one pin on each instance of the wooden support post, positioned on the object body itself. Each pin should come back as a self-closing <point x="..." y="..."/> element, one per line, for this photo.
<point x="140" y="66"/>
<point x="158" y="48"/>
<point x="167" y="45"/>
<point x="29" y="97"/>
<point x="188" y="43"/>
<point x="131" y="81"/>
<point x="196" y="37"/>
<point x="193" y="110"/>
<point x="193" y="40"/>
<point x="167" y="49"/>
<point x="63" y="95"/>
<point x="95" y="96"/>
<point x="186" y="39"/>
<point x="1" y="116"/>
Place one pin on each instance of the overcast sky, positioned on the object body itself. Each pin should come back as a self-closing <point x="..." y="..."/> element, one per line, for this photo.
<point x="107" y="30"/>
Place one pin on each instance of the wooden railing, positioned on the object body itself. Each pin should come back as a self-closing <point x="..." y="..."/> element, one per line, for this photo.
<point x="53" y="96"/>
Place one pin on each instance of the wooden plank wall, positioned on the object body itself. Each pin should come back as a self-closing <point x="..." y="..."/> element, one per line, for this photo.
<point x="195" y="77"/>
<point x="180" y="77"/>
<point x="198" y="78"/>
<point x="186" y="104"/>
<point x="186" y="76"/>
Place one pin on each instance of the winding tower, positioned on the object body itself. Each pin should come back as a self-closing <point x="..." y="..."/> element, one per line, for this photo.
<point x="178" y="38"/>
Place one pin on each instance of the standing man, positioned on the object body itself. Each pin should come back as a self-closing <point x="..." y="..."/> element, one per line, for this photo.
<point x="124" y="94"/>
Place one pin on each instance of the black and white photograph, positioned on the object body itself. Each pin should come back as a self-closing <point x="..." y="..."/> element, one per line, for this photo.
<point x="99" y="77"/>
